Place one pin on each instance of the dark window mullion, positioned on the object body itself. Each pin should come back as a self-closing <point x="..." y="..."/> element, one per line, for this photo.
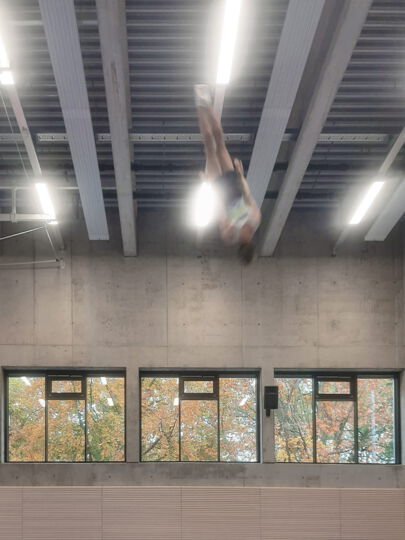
<point x="46" y="428"/>
<point x="356" y="423"/>
<point x="180" y="402"/>
<point x="85" y="422"/>
<point x="314" y="383"/>
<point x="218" y="424"/>
<point x="397" y="421"/>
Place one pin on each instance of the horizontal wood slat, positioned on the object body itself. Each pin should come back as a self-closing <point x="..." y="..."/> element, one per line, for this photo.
<point x="197" y="513"/>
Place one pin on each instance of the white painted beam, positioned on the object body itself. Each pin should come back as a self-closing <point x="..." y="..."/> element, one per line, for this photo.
<point x="60" y="25"/>
<point x="348" y="27"/>
<point x="395" y="207"/>
<point x="300" y="25"/>
<point x="113" y="40"/>
<point x="394" y="150"/>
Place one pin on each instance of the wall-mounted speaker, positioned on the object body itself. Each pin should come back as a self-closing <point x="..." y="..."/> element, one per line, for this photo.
<point x="270" y="398"/>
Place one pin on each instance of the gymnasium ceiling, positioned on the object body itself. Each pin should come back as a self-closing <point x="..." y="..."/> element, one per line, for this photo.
<point x="169" y="49"/>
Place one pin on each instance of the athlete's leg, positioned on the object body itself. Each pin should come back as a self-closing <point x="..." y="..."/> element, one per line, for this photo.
<point x="213" y="167"/>
<point x="223" y="156"/>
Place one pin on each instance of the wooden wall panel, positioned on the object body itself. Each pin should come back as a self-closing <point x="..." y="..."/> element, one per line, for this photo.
<point x="198" y="513"/>
<point x="61" y="513"/>
<point x="373" y="514"/>
<point x="220" y="513"/>
<point x="300" y="514"/>
<point x="141" y="513"/>
<point x="10" y="513"/>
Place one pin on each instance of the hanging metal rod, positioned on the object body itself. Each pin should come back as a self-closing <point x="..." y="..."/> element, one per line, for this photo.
<point x="57" y="260"/>
<point x="21" y="233"/>
<point x="58" y="263"/>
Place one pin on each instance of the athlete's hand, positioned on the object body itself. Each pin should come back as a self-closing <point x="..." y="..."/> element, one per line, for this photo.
<point x="238" y="167"/>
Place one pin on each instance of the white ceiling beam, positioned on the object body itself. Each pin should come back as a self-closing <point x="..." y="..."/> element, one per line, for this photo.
<point x="300" y="25"/>
<point x="348" y="27"/>
<point x="113" y="40"/>
<point x="62" y="36"/>
<point x="395" y="207"/>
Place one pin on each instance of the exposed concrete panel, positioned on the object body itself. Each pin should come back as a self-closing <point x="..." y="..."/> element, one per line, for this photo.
<point x="117" y="301"/>
<point x="357" y="300"/>
<point x="204" y="303"/>
<point x="280" y="304"/>
<point x="53" y="298"/>
<point x="16" y="289"/>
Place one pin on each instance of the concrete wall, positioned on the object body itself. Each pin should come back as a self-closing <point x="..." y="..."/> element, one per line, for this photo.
<point x="187" y="303"/>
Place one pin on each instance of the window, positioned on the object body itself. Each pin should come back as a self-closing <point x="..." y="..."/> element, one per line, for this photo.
<point x="65" y="417"/>
<point x="337" y="418"/>
<point x="199" y="417"/>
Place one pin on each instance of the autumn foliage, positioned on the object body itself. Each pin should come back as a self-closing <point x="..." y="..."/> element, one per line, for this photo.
<point x="68" y="422"/>
<point x="175" y="429"/>
<point x="335" y="433"/>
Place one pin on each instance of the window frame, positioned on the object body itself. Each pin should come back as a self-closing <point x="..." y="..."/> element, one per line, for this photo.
<point x="353" y="376"/>
<point x="203" y="374"/>
<point x="66" y="396"/>
<point x="68" y="374"/>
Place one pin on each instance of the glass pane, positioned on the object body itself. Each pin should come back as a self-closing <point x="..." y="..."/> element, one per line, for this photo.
<point x="293" y="420"/>
<point x="196" y="387"/>
<point x="199" y="430"/>
<point x="238" y="419"/>
<point x="333" y="387"/>
<point x="66" y="386"/>
<point x="376" y="420"/>
<point x="160" y="418"/>
<point x="26" y="418"/>
<point x="105" y="418"/>
<point x="335" y="431"/>
<point x="66" y="430"/>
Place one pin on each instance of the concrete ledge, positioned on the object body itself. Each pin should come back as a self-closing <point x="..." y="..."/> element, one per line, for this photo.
<point x="202" y="474"/>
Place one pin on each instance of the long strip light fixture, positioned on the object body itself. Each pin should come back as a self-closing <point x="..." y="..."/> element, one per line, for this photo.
<point x="228" y="40"/>
<point x="6" y="77"/>
<point x="46" y="202"/>
<point x="367" y="201"/>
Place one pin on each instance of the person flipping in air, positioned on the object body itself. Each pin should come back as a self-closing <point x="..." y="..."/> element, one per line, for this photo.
<point x="239" y="215"/>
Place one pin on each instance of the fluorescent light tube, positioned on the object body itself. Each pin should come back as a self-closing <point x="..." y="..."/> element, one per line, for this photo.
<point x="42" y="402"/>
<point x="103" y="381"/>
<point x="4" y="60"/>
<point x="45" y="200"/>
<point x="6" y="78"/>
<point x="26" y="381"/>
<point x="204" y="205"/>
<point x="366" y="202"/>
<point x="228" y="40"/>
<point x="110" y="402"/>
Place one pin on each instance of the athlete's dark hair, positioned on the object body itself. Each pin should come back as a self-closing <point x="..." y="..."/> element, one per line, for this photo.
<point x="246" y="252"/>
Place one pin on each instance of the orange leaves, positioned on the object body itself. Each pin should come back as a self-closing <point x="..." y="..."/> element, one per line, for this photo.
<point x="67" y="422"/>
<point x="335" y="422"/>
<point x="197" y="438"/>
